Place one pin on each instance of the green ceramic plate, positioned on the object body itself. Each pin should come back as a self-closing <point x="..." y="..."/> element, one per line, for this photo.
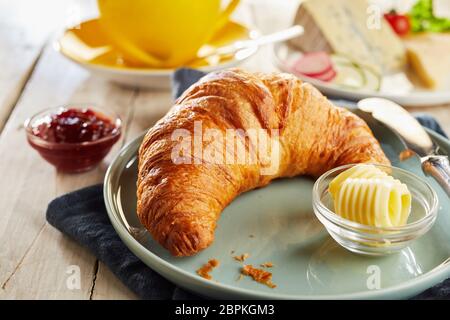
<point x="277" y="224"/>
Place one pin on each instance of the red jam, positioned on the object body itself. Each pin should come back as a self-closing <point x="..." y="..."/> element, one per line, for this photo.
<point x="73" y="140"/>
<point x="74" y="126"/>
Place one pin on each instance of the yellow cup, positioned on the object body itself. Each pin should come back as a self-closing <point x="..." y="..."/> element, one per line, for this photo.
<point x="162" y="33"/>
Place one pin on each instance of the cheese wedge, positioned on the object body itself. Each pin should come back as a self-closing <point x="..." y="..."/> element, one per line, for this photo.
<point x="352" y="28"/>
<point x="429" y="57"/>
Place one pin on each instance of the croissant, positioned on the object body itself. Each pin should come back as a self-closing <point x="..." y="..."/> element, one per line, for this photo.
<point x="180" y="199"/>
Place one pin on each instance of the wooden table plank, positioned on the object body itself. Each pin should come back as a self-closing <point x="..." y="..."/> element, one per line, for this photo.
<point x="34" y="257"/>
<point x="22" y="223"/>
<point x="20" y="47"/>
<point x="28" y="245"/>
<point x="108" y="286"/>
<point x="25" y="27"/>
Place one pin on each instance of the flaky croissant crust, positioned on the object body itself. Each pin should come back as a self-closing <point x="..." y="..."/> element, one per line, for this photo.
<point x="180" y="203"/>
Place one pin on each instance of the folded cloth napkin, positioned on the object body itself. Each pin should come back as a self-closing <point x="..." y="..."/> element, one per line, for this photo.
<point x="82" y="216"/>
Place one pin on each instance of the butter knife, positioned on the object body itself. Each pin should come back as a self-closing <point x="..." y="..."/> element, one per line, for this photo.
<point x="413" y="134"/>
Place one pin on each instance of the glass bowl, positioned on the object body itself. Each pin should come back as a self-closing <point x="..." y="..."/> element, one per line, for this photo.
<point x="73" y="157"/>
<point x="370" y="240"/>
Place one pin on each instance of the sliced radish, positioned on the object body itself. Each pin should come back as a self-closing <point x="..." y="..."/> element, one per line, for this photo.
<point x="327" y="76"/>
<point x="318" y="74"/>
<point x="313" y="64"/>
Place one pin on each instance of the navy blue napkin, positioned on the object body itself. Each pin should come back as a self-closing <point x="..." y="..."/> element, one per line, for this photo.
<point x="82" y="216"/>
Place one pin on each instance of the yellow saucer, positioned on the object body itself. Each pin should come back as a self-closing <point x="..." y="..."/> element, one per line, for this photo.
<point x="88" y="44"/>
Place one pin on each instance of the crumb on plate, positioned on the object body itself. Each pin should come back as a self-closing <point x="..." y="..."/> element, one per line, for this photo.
<point x="259" y="275"/>
<point x="242" y="257"/>
<point x="406" y="154"/>
<point x="207" y="268"/>
<point x="267" y="265"/>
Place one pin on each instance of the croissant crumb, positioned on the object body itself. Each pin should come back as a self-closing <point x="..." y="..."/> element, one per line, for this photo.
<point x="259" y="275"/>
<point x="267" y="265"/>
<point x="241" y="257"/>
<point x="405" y="154"/>
<point x="207" y="268"/>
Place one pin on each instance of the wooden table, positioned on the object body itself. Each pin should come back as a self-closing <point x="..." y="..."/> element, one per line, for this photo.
<point x="35" y="259"/>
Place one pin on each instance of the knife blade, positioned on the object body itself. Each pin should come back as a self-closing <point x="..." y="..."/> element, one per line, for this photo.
<point x="414" y="136"/>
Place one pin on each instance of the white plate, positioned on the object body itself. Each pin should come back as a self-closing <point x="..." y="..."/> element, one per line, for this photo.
<point x="283" y="57"/>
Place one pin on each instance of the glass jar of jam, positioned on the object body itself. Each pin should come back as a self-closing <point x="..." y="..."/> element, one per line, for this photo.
<point x="73" y="138"/>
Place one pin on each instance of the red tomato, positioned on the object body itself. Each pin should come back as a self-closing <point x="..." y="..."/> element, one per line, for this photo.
<point x="400" y="23"/>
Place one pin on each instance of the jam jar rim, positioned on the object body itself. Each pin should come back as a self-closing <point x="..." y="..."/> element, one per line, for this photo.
<point x="111" y="115"/>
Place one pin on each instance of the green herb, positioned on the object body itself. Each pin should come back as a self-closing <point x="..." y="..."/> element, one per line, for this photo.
<point x="422" y="18"/>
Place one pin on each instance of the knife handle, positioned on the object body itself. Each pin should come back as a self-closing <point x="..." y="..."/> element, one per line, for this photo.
<point x="439" y="168"/>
